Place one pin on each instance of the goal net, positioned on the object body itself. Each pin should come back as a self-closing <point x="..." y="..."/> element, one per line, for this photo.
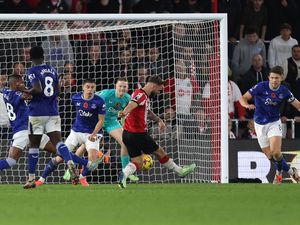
<point x="184" y="52"/>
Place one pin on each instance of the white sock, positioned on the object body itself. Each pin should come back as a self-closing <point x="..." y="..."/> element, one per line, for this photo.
<point x="291" y="171"/>
<point x="172" y="166"/>
<point x="129" y="169"/>
<point x="31" y="176"/>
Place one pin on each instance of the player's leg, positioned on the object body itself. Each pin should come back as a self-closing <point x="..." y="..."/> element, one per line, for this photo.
<point x="116" y="133"/>
<point x="36" y="129"/>
<point x="20" y="141"/>
<point x="53" y="130"/>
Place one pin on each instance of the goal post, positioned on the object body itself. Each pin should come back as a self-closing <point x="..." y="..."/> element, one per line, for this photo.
<point x="189" y="51"/>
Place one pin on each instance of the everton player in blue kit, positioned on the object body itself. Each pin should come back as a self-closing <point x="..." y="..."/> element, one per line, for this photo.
<point x="18" y="115"/>
<point x="43" y="113"/>
<point x="267" y="98"/>
<point x="87" y="129"/>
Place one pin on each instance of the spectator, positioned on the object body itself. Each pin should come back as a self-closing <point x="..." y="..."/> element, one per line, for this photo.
<point x="169" y="118"/>
<point x="79" y="6"/>
<point x="201" y="122"/>
<point x="282" y="11"/>
<point x="16" y="6"/>
<point x="153" y="6"/>
<point x="140" y="56"/>
<point x="233" y="9"/>
<point x="291" y="68"/>
<point x="250" y="132"/>
<point x="254" y="75"/>
<point x="234" y="94"/>
<point x="4" y="119"/>
<point x="157" y="64"/>
<point x="104" y="6"/>
<point x="231" y="135"/>
<point x="244" y="51"/>
<point x="19" y="69"/>
<point x="65" y="102"/>
<point x="280" y="46"/>
<point x="93" y="67"/>
<point x="142" y="74"/>
<point x="255" y="15"/>
<point x="52" y="6"/>
<point x="25" y="56"/>
<point x="58" y="51"/>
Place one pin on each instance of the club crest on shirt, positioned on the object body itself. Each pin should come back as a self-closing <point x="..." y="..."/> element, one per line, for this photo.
<point x="117" y="104"/>
<point x="78" y="104"/>
<point x="85" y="105"/>
<point x="93" y="106"/>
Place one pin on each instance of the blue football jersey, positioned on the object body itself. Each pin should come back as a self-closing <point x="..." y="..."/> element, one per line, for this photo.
<point x="267" y="102"/>
<point x="87" y="111"/>
<point x="17" y="110"/>
<point x="113" y="103"/>
<point x="45" y="103"/>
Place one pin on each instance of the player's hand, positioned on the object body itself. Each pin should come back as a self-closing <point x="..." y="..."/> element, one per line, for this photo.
<point x="161" y="125"/>
<point x="284" y="119"/>
<point x="92" y="137"/>
<point x="250" y="107"/>
<point x="297" y="119"/>
<point x="121" y="114"/>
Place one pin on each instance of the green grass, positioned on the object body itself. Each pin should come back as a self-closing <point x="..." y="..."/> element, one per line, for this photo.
<point x="166" y="204"/>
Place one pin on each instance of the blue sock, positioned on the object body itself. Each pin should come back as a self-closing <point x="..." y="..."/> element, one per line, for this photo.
<point x="275" y="163"/>
<point x="285" y="166"/>
<point x="124" y="160"/>
<point x="7" y="163"/>
<point x="51" y="166"/>
<point x="84" y="171"/>
<point x="63" y="151"/>
<point x="78" y="159"/>
<point x="33" y="158"/>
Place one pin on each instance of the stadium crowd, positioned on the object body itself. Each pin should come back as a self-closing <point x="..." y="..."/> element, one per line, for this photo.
<point x="261" y="34"/>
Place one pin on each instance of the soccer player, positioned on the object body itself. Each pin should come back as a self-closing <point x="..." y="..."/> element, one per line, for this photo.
<point x="135" y="136"/>
<point x="267" y="98"/>
<point x="43" y="113"/>
<point x="87" y="129"/>
<point x="18" y="115"/>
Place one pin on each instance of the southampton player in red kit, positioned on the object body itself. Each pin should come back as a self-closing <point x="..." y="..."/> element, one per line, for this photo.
<point x="135" y="135"/>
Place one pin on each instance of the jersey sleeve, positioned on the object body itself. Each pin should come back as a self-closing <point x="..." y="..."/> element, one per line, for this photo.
<point x="103" y="94"/>
<point x="101" y="107"/>
<point x="32" y="77"/>
<point x="256" y="89"/>
<point x="289" y="96"/>
<point x="139" y="97"/>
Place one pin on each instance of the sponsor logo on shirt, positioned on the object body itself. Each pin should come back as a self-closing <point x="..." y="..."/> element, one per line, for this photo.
<point x="84" y="113"/>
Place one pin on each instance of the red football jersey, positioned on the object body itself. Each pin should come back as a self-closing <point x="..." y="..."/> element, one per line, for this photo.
<point x="136" y="120"/>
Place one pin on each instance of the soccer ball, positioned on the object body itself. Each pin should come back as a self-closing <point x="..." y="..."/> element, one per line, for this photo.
<point x="147" y="162"/>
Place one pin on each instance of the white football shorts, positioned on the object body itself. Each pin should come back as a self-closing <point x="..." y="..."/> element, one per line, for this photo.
<point x="21" y="140"/>
<point x="264" y="132"/>
<point x="44" y="124"/>
<point x="78" y="138"/>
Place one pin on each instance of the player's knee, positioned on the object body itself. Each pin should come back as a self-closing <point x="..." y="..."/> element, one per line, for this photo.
<point x="44" y="140"/>
<point x="159" y="153"/>
<point x="11" y="161"/>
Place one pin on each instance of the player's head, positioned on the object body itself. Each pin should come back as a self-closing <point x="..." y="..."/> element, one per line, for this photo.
<point x="89" y="87"/>
<point x="16" y="82"/>
<point x="275" y="76"/>
<point x="155" y="85"/>
<point x="37" y="54"/>
<point x="121" y="86"/>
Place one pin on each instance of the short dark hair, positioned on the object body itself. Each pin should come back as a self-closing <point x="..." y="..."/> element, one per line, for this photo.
<point x="251" y="30"/>
<point x="277" y="70"/>
<point x="13" y="78"/>
<point x="155" y="79"/>
<point x="36" y="52"/>
<point x="121" y="79"/>
<point x="296" y="46"/>
<point x="285" y="26"/>
<point x="89" y="80"/>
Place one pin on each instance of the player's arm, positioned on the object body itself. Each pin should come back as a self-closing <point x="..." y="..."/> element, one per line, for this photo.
<point x="158" y="120"/>
<point x="131" y="105"/>
<point x="25" y="96"/>
<point x="98" y="126"/>
<point x="296" y="104"/>
<point x="36" y="85"/>
<point x="245" y="99"/>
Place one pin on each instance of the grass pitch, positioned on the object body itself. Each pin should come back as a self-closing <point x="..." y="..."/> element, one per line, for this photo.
<point x="153" y="204"/>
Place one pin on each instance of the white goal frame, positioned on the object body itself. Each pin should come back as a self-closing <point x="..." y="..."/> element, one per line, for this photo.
<point x="178" y="17"/>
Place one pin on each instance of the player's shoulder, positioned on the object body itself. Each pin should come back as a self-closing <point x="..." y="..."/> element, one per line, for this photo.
<point x="98" y="99"/>
<point x="77" y="96"/>
<point x="127" y="96"/>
